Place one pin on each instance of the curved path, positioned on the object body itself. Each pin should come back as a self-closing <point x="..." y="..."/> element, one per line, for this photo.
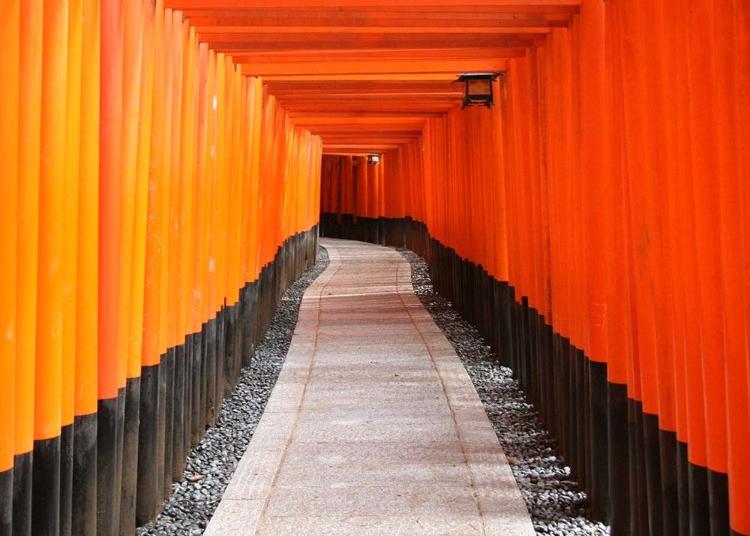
<point x="374" y="426"/>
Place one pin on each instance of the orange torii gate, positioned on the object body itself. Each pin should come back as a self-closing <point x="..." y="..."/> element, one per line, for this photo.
<point x="162" y="176"/>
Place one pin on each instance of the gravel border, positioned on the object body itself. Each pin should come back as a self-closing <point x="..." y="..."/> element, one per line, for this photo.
<point x="212" y="462"/>
<point x="556" y="502"/>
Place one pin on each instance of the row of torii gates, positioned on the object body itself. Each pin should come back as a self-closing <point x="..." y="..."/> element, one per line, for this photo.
<point x="167" y="166"/>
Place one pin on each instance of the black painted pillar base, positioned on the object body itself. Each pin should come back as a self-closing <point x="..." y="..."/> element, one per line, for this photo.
<point x="197" y="424"/>
<point x="45" y="507"/>
<point x="204" y="377"/>
<point x="6" y="502"/>
<point x="698" y="497"/>
<point x="130" y="457"/>
<point x="22" y="487"/>
<point x="169" y="395"/>
<point x="187" y="400"/>
<point x="221" y="355"/>
<point x="66" y="479"/>
<point x="669" y="493"/>
<point x="178" y="413"/>
<point x="598" y="418"/>
<point x="110" y="417"/>
<point x="250" y="304"/>
<point x="161" y="426"/>
<point x="211" y="346"/>
<point x="148" y="495"/>
<point x="651" y="454"/>
<point x="683" y="494"/>
<point x="618" y="463"/>
<point x="718" y="500"/>
<point x="84" y="475"/>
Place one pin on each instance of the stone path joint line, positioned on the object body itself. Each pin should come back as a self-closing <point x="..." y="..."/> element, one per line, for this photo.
<point x="374" y="426"/>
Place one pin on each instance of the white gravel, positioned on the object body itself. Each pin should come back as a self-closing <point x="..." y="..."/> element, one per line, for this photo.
<point x="556" y="503"/>
<point x="211" y="463"/>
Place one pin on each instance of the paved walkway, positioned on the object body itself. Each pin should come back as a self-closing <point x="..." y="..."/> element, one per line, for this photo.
<point x="374" y="426"/>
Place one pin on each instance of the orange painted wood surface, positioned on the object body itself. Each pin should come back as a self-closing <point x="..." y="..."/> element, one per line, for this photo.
<point x="155" y="155"/>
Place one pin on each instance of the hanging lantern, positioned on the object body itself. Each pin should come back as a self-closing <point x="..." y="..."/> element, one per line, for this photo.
<point x="373" y="159"/>
<point x="478" y="88"/>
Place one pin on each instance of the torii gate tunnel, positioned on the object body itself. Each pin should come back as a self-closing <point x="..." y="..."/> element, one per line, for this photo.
<point x="167" y="166"/>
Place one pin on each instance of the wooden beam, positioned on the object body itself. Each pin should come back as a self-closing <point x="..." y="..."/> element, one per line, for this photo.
<point x="392" y="139"/>
<point x="357" y="86"/>
<point x="388" y="107"/>
<point x="415" y="106"/>
<point x="365" y="94"/>
<point x="444" y="77"/>
<point x="374" y="130"/>
<point x="420" y="19"/>
<point x="212" y="32"/>
<point x="372" y="67"/>
<point x="403" y="54"/>
<point x="374" y="41"/>
<point x="362" y="150"/>
<point x="520" y="6"/>
<point x="299" y="42"/>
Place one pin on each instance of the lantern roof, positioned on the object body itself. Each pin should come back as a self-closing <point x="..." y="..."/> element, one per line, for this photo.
<point x="471" y="76"/>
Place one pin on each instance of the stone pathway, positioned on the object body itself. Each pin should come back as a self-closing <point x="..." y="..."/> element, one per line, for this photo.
<point x="374" y="426"/>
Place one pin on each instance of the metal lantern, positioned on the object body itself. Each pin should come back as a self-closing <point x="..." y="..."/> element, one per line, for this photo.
<point x="478" y="88"/>
<point x="373" y="159"/>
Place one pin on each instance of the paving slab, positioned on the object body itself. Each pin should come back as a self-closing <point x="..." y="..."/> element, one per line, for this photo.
<point x="374" y="426"/>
